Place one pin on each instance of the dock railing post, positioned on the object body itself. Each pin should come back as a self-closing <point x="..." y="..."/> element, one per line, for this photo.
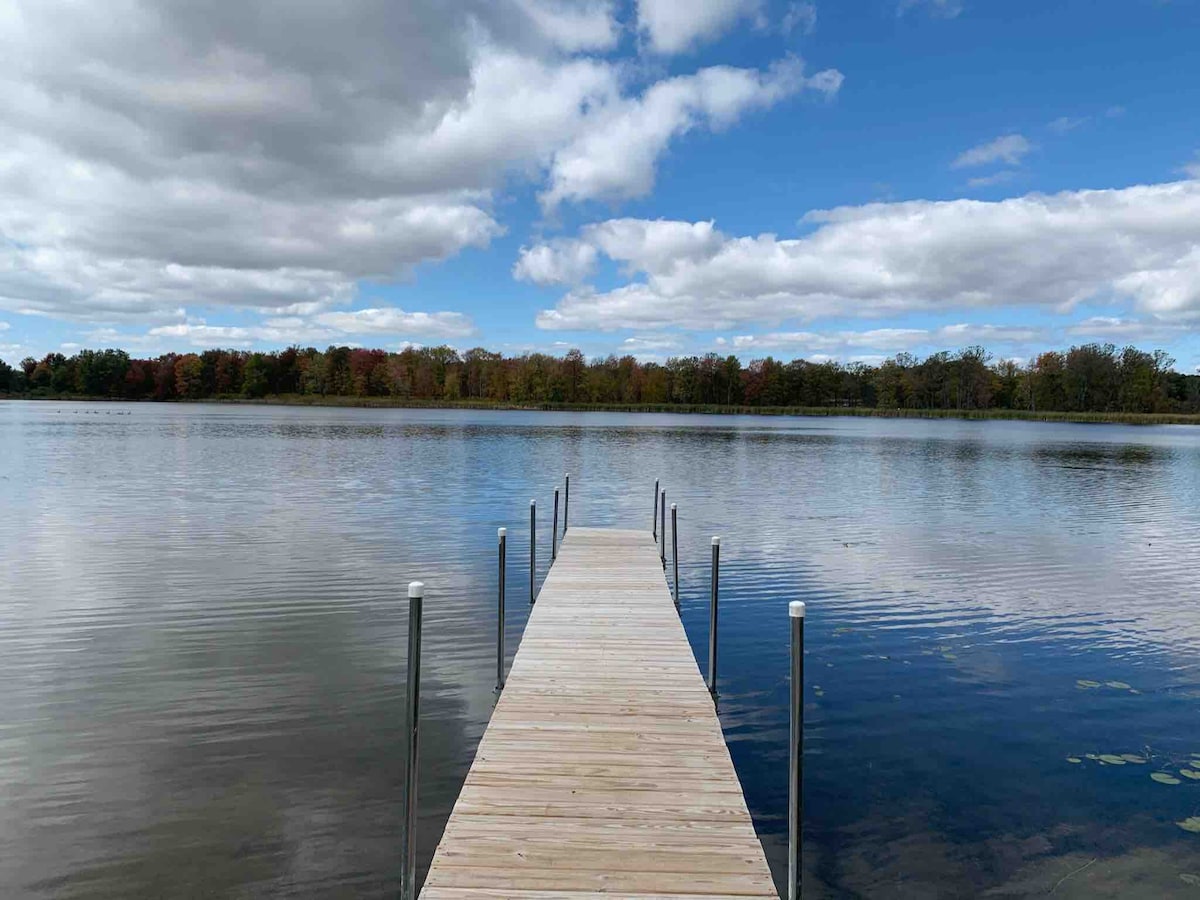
<point x="502" y="534"/>
<point x="554" y="530"/>
<point x="654" y="518"/>
<point x="796" y="749"/>
<point x="662" y="528"/>
<point x="532" y="551"/>
<point x="675" y="554"/>
<point x="567" y="504"/>
<point x="408" y="836"/>
<point x="712" y="616"/>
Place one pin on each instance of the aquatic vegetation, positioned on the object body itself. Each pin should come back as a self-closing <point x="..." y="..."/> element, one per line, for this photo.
<point x="1074" y="759"/>
<point x="1190" y="773"/>
<point x="1120" y="685"/>
<point x="1192" y="824"/>
<point x="1087" y="684"/>
<point x="1134" y="758"/>
<point x="1111" y="759"/>
<point x="1165" y="778"/>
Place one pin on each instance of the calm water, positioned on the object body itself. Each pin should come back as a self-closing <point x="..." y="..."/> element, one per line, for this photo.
<point x="202" y="637"/>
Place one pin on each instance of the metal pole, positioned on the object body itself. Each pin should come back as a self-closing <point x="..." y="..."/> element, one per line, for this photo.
<point x="796" y="746"/>
<point x="712" y="617"/>
<point x="662" y="531"/>
<point x="567" y="503"/>
<point x="502" y="533"/>
<point x="675" y="552"/>
<point x="532" y="551"/>
<point x="554" y="530"/>
<point x="408" y="835"/>
<point x="654" y="529"/>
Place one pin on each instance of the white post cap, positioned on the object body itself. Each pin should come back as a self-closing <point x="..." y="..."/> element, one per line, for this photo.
<point x="416" y="590"/>
<point x="501" y="532"/>
<point x="716" y="540"/>
<point x="533" y="503"/>
<point x="796" y="609"/>
<point x="672" y="507"/>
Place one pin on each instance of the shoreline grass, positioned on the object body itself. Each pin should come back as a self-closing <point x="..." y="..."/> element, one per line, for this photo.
<point x="1118" y="418"/>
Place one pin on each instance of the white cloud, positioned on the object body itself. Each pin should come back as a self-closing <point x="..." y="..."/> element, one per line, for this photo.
<point x="4" y="326"/>
<point x="989" y="180"/>
<point x="1008" y="148"/>
<point x="1064" y="124"/>
<point x="1192" y="169"/>
<point x="556" y="262"/>
<point x="947" y="9"/>
<point x="169" y="156"/>
<point x="674" y="27"/>
<point x="650" y="344"/>
<point x="333" y="327"/>
<point x="391" y="320"/>
<point x="1116" y="329"/>
<point x="590" y="25"/>
<point x="615" y="155"/>
<point x="1138" y="245"/>
<point x="889" y="340"/>
<point x="801" y="17"/>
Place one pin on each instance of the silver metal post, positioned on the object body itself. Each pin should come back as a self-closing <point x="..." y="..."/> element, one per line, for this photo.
<point x="532" y="551"/>
<point x="412" y="713"/>
<point x="796" y="747"/>
<point x="502" y="533"/>
<point x="712" y="617"/>
<point x="566" y="503"/>
<point x="675" y="553"/>
<point x="654" y="529"/>
<point x="662" y="529"/>
<point x="554" y="530"/>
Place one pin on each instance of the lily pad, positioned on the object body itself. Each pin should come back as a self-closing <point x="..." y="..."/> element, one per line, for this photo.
<point x="1091" y="756"/>
<point x="1189" y="878"/>
<point x="1119" y="685"/>
<point x="1190" y="773"/>
<point x="1074" y="759"/>
<point x="1192" y="824"/>
<point x="949" y="656"/>
<point x="1111" y="759"/>
<point x="1133" y="758"/>
<point x="1165" y="778"/>
<point x="1196" y="763"/>
<point x="1087" y="684"/>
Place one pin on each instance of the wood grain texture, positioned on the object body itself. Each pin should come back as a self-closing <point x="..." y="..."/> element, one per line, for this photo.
<point x="603" y="769"/>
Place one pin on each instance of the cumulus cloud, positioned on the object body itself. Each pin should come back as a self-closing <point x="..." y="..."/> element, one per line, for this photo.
<point x="615" y="155"/>
<point x="1138" y="245"/>
<point x="164" y="156"/>
<point x="1008" y="148"/>
<point x="557" y="262"/>
<point x="1192" y="169"/>
<point x="674" y="27"/>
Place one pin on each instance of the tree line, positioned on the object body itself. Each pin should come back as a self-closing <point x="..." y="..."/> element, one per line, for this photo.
<point x="1089" y="378"/>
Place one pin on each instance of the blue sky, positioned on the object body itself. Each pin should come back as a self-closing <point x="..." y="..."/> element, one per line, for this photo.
<point x="845" y="180"/>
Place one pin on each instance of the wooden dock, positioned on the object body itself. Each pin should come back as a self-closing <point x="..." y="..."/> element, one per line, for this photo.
<point x="603" y="769"/>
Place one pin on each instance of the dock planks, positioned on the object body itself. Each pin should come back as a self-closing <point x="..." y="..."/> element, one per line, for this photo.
<point x="603" y="769"/>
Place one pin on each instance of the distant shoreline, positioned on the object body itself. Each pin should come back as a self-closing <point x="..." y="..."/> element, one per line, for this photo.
<point x="1115" y="418"/>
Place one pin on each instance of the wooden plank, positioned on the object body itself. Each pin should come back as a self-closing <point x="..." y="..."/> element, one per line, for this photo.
<point x="603" y="769"/>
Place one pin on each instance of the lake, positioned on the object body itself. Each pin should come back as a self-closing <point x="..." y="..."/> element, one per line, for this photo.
<point x="202" y="637"/>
